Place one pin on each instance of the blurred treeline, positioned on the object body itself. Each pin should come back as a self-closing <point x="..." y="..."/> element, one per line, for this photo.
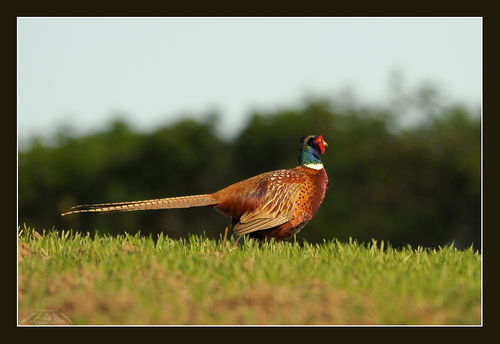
<point x="418" y="185"/>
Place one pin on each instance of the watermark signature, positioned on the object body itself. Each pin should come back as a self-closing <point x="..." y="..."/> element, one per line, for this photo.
<point x="46" y="317"/>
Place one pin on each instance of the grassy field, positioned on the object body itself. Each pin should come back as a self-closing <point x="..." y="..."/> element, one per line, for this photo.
<point x="98" y="279"/>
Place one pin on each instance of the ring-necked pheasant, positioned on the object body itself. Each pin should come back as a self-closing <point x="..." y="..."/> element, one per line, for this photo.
<point x="276" y="204"/>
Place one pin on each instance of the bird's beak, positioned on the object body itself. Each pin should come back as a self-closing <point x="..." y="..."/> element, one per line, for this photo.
<point x="325" y="144"/>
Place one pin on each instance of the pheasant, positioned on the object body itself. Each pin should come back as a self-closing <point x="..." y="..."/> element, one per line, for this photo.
<point x="276" y="204"/>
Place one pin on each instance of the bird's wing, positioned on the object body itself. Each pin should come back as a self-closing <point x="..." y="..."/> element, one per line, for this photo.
<point x="278" y="207"/>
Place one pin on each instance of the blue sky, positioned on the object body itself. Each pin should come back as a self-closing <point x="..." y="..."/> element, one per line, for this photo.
<point x="83" y="71"/>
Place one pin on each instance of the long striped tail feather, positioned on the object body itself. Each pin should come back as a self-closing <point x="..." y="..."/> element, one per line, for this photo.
<point x="159" y="203"/>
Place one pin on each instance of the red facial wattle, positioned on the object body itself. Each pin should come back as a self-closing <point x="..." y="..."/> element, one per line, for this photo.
<point x="321" y="144"/>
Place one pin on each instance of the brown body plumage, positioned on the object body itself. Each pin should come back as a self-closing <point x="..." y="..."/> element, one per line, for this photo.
<point x="275" y="204"/>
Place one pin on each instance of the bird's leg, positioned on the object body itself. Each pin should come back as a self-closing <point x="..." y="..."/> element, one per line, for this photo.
<point x="227" y="230"/>
<point x="236" y="242"/>
<point x="232" y="223"/>
<point x="225" y="234"/>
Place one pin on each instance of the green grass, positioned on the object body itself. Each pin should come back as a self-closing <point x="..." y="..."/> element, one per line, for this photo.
<point x="99" y="279"/>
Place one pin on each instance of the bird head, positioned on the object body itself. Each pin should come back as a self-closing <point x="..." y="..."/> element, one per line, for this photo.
<point x="311" y="148"/>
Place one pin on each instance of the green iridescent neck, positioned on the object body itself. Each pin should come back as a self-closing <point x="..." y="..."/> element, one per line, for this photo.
<point x="309" y="156"/>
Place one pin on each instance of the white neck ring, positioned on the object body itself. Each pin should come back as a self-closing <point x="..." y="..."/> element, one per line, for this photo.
<point x="317" y="166"/>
